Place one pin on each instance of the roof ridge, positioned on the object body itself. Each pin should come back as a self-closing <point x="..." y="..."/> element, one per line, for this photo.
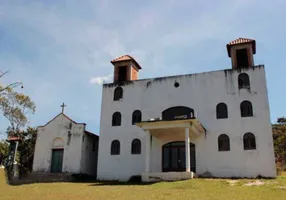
<point x="240" y="41"/>
<point x="64" y="116"/>
<point x="125" y="57"/>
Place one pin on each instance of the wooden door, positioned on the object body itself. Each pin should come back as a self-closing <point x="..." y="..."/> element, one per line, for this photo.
<point x="57" y="160"/>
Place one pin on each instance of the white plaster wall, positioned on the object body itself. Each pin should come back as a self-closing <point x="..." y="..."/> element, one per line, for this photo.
<point x="89" y="156"/>
<point x="202" y="92"/>
<point x="59" y="127"/>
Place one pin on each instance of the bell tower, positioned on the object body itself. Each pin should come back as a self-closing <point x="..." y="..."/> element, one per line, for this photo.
<point x="241" y="52"/>
<point x="126" y="68"/>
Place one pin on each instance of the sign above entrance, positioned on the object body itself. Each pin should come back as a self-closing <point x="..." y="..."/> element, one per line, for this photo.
<point x="177" y="113"/>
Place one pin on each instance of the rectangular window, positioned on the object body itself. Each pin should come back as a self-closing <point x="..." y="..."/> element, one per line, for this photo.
<point x="242" y="58"/>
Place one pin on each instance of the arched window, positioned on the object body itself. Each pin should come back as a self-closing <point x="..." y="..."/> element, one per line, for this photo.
<point x="118" y="93"/>
<point x="221" y="111"/>
<point x="115" y="147"/>
<point x="116" y="119"/>
<point x="136" y="116"/>
<point x="136" y="146"/>
<point x="246" y="109"/>
<point x="249" y="141"/>
<point x="243" y="81"/>
<point x="223" y="143"/>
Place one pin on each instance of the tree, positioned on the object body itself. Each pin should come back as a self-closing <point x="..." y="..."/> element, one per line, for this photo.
<point x="26" y="150"/>
<point x="279" y="138"/>
<point x="12" y="85"/>
<point x="15" y="107"/>
<point x="4" y="146"/>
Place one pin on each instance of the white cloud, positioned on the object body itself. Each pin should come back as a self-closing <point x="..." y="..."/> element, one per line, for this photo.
<point x="100" y="79"/>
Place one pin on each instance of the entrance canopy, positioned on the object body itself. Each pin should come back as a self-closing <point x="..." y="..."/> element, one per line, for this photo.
<point x="172" y="129"/>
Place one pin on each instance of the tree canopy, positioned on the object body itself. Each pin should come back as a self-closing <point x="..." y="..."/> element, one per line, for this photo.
<point x="3" y="88"/>
<point x="14" y="105"/>
<point x="26" y="150"/>
<point x="4" y="146"/>
<point x="279" y="139"/>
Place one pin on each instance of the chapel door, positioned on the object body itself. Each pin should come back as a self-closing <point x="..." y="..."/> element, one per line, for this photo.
<point x="57" y="160"/>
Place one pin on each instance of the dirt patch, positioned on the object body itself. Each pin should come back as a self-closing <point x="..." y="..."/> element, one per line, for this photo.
<point x="254" y="183"/>
<point x="232" y="182"/>
<point x="281" y="187"/>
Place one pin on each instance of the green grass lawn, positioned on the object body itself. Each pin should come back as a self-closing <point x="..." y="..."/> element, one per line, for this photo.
<point x="196" y="189"/>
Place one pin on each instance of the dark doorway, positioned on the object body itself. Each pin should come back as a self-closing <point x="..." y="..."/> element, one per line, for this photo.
<point x="122" y="73"/>
<point x="57" y="160"/>
<point x="242" y="58"/>
<point x="174" y="157"/>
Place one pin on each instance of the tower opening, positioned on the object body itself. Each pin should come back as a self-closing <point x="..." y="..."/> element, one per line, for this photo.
<point x="122" y="73"/>
<point x="242" y="58"/>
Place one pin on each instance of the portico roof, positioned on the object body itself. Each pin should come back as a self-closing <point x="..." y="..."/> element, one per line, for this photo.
<point x="172" y="128"/>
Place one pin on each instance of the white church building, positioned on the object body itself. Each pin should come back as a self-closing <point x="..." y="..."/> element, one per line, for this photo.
<point x="170" y="128"/>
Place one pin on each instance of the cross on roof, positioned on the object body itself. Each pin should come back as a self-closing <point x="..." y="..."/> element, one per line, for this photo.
<point x="63" y="107"/>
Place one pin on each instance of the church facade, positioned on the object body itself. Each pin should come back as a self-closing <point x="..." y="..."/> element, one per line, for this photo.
<point x="170" y="128"/>
<point x="64" y="146"/>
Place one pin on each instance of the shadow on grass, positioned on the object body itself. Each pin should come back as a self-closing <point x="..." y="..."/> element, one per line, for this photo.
<point x="91" y="182"/>
<point x="117" y="183"/>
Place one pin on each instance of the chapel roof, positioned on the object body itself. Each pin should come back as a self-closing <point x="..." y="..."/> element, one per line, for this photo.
<point x="65" y="117"/>
<point x="86" y="132"/>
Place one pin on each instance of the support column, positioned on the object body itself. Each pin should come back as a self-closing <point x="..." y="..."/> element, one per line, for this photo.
<point x="147" y="156"/>
<point x="187" y="146"/>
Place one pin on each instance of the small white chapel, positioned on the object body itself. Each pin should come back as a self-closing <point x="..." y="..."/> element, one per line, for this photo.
<point x="65" y="146"/>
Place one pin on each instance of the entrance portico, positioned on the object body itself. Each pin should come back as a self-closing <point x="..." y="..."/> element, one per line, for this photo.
<point x="171" y="130"/>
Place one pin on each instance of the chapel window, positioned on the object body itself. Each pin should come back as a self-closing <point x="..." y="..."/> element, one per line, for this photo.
<point x="116" y="119"/>
<point x="246" y="109"/>
<point x="249" y="141"/>
<point x="221" y="111"/>
<point x="243" y="81"/>
<point x="136" y="146"/>
<point x="136" y="116"/>
<point x="115" y="147"/>
<point x="223" y="143"/>
<point x="118" y="94"/>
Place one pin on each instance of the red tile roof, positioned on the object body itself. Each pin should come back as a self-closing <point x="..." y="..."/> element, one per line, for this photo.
<point x="122" y="58"/>
<point x="13" y="138"/>
<point x="125" y="58"/>
<point x="241" y="41"/>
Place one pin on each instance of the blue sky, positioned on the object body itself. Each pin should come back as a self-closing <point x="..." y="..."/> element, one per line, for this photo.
<point x="61" y="49"/>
